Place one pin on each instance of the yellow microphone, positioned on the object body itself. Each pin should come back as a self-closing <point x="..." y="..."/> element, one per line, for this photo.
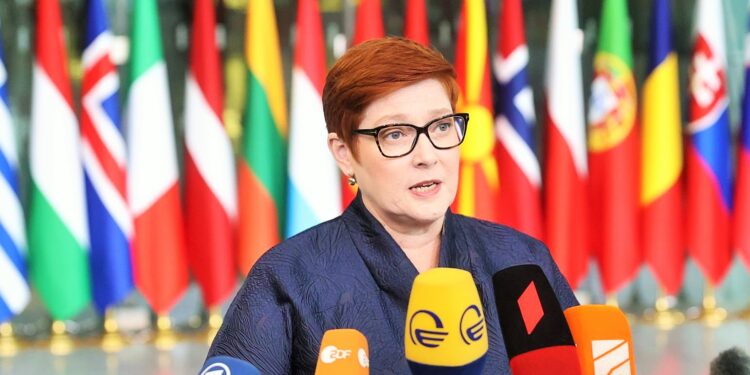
<point x="343" y="352"/>
<point x="446" y="331"/>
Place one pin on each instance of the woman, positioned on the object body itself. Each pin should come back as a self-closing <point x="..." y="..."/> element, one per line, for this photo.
<point x="389" y="106"/>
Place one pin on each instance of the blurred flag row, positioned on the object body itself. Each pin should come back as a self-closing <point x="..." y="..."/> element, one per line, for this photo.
<point x="105" y="214"/>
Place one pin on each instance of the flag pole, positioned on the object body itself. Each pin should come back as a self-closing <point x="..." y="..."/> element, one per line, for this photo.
<point x="8" y="342"/>
<point x="60" y="342"/>
<point x="215" y="319"/>
<point x="112" y="340"/>
<point x="165" y="338"/>
<point x="712" y="315"/>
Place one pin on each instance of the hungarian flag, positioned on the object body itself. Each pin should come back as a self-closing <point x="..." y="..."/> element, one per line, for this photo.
<point x="479" y="185"/>
<point x="519" y="171"/>
<point x="313" y="194"/>
<point x="613" y="152"/>
<point x="262" y="168"/>
<point x="415" y="22"/>
<point x="565" y="167"/>
<point x="159" y="259"/>
<point x="742" y="189"/>
<point x="210" y="181"/>
<point x="661" y="163"/>
<point x="58" y="229"/>
<point x="104" y="164"/>
<point x="708" y="169"/>
<point x="14" y="291"/>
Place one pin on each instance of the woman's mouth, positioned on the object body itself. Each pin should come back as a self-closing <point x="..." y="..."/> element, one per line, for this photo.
<point x="425" y="187"/>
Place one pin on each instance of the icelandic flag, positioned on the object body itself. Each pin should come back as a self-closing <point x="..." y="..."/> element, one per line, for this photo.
<point x="104" y="161"/>
<point x="14" y="291"/>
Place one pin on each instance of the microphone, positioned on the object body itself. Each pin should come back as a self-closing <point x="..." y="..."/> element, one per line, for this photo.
<point x="445" y="326"/>
<point x="343" y="351"/>
<point x="537" y="337"/>
<point x="224" y="365"/>
<point x="731" y="362"/>
<point x="602" y="335"/>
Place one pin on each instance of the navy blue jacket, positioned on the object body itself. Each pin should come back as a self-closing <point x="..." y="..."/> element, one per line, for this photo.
<point x="350" y="273"/>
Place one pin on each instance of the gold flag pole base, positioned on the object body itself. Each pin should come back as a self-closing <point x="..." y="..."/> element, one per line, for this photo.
<point x="663" y="317"/>
<point x="711" y="315"/>
<point x="744" y="314"/>
<point x="60" y="342"/>
<point x="165" y="338"/>
<point x="112" y="340"/>
<point x="215" y="319"/>
<point x="8" y="343"/>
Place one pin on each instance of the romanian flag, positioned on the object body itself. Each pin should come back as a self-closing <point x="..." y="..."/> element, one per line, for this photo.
<point x="262" y="167"/>
<point x="159" y="258"/>
<point x="415" y="22"/>
<point x="519" y="171"/>
<point x="566" y="167"/>
<point x="105" y="165"/>
<point x="479" y="185"/>
<point x="210" y="182"/>
<point x="58" y="227"/>
<point x="14" y="291"/>
<point x="313" y="194"/>
<point x="661" y="163"/>
<point x="613" y="152"/>
<point x="741" y="228"/>
<point x="708" y="169"/>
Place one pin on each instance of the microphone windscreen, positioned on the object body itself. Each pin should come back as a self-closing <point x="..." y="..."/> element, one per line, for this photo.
<point x="603" y="339"/>
<point x="446" y="332"/>
<point x="537" y="337"/>
<point x="224" y="365"/>
<point x="731" y="362"/>
<point x="343" y="351"/>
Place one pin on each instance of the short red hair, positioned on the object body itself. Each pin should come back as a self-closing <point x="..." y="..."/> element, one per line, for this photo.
<point x="376" y="68"/>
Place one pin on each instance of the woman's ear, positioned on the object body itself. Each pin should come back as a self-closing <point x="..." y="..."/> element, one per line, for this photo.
<point x="342" y="154"/>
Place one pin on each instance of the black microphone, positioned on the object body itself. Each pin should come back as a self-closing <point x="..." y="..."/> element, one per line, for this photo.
<point x="224" y="365"/>
<point x="731" y="362"/>
<point x="536" y="334"/>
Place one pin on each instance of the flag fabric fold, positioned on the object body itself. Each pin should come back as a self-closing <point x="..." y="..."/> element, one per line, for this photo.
<point x="58" y="228"/>
<point x="159" y="258"/>
<point x="262" y="167"/>
<point x="416" y="26"/>
<point x="519" y="171"/>
<point x="210" y="181"/>
<point x="708" y="162"/>
<point x="313" y="193"/>
<point x="613" y="146"/>
<point x="661" y="163"/>
<point x="741" y="234"/>
<point x="14" y="289"/>
<point x="566" y="165"/>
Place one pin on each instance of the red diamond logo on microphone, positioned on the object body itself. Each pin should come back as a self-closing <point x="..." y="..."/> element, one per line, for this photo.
<point x="531" y="307"/>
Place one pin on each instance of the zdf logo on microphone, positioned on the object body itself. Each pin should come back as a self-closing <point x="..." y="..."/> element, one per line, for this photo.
<point x="331" y="354"/>
<point x="611" y="357"/>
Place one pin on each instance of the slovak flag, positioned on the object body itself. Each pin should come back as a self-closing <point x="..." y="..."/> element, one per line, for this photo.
<point x="709" y="199"/>
<point x="520" y="175"/>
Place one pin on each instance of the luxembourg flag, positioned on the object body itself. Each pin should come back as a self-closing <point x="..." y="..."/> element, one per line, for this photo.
<point x="313" y="194"/>
<point x="741" y="228"/>
<point x="708" y="160"/>
<point x="14" y="291"/>
<point x="520" y="176"/>
<point x="104" y="163"/>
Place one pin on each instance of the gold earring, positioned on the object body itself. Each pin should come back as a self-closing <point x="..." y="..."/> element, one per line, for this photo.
<point x="352" y="180"/>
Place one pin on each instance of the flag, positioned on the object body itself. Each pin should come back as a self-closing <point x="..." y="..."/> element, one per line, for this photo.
<point x="708" y="160"/>
<point x="478" y="189"/>
<point x="741" y="228"/>
<point x="661" y="163"/>
<point x="415" y="22"/>
<point x="58" y="229"/>
<point x="613" y="152"/>
<point x="519" y="172"/>
<point x="14" y="291"/>
<point x="159" y="259"/>
<point x="262" y="169"/>
<point x="313" y="194"/>
<point x="104" y="164"/>
<point x="565" y="167"/>
<point x="210" y="181"/>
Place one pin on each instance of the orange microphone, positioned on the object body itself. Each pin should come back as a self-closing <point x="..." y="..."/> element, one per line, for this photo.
<point x="343" y="351"/>
<point x="603" y="339"/>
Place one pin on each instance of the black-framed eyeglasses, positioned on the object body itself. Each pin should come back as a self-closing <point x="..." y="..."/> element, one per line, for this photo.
<point x="396" y="140"/>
